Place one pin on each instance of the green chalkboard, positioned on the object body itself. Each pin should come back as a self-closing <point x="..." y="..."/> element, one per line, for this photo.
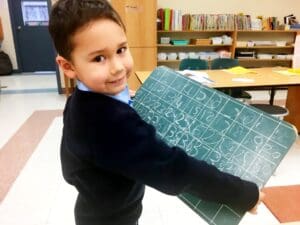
<point x="214" y="127"/>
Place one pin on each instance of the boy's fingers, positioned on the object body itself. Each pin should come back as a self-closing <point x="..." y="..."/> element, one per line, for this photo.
<point x="260" y="198"/>
<point x="131" y="93"/>
<point x="253" y="211"/>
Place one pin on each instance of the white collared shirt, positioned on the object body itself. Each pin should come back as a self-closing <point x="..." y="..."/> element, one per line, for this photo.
<point x="123" y="96"/>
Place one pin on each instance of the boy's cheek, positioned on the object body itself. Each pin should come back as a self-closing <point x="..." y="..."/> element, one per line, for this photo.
<point x="129" y="57"/>
<point x="129" y="64"/>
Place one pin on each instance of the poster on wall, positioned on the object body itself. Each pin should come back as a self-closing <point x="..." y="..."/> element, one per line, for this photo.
<point x="35" y="13"/>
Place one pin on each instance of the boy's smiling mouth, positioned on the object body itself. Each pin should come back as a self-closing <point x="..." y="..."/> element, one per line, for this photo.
<point x="118" y="81"/>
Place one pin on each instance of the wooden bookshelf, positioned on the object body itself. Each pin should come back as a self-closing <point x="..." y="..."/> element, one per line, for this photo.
<point x="237" y="35"/>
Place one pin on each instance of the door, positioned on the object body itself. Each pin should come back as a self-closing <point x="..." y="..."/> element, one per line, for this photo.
<point x="33" y="44"/>
<point x="139" y="17"/>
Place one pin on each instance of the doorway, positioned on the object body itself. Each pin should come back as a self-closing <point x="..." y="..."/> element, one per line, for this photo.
<point x="34" y="49"/>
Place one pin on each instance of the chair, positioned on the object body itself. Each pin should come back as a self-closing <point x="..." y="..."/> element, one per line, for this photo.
<point x="274" y="110"/>
<point x="225" y="63"/>
<point x="193" y="64"/>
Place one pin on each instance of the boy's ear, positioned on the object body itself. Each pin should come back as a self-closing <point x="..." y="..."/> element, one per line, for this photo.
<point x="66" y="66"/>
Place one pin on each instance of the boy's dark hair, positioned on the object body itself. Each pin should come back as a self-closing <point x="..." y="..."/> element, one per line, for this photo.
<point x="68" y="16"/>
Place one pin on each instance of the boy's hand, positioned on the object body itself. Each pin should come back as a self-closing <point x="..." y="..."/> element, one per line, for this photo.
<point x="131" y="93"/>
<point x="260" y="198"/>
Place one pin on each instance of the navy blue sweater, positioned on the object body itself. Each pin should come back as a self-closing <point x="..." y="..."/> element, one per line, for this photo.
<point x="109" y="153"/>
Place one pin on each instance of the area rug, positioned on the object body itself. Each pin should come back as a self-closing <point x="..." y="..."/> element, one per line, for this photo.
<point x="283" y="202"/>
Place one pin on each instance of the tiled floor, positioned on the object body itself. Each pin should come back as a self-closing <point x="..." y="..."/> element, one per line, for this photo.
<point x="30" y="130"/>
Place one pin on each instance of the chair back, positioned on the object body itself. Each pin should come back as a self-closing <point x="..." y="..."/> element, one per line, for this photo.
<point x="193" y="64"/>
<point x="223" y="63"/>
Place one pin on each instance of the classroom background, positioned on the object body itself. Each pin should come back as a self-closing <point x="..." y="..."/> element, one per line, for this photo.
<point x="254" y="8"/>
<point x="32" y="190"/>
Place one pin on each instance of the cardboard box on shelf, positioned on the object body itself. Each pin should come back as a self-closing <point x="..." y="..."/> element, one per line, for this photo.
<point x="199" y="41"/>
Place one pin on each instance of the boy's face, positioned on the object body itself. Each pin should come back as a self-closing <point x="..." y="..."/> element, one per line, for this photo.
<point x="101" y="58"/>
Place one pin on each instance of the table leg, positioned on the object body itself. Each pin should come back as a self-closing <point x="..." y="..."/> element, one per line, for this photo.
<point x="272" y="96"/>
<point x="293" y="105"/>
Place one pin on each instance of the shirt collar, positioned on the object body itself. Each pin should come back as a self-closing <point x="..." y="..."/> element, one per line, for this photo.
<point x="123" y="96"/>
<point x="82" y="86"/>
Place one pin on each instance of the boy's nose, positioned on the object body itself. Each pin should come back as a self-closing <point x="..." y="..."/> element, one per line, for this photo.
<point x="116" y="66"/>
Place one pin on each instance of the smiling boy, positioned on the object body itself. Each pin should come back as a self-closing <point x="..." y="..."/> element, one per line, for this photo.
<point x="107" y="151"/>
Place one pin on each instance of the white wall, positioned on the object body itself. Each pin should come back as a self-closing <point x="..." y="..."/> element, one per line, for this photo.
<point x="255" y="8"/>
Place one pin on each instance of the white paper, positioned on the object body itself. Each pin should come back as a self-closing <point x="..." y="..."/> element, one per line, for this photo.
<point x="199" y="76"/>
<point x="243" y="80"/>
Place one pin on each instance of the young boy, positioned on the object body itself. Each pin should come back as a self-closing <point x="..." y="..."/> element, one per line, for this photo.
<point x="107" y="151"/>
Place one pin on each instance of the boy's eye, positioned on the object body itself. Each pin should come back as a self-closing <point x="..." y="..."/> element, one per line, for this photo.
<point x="99" y="58"/>
<point x="121" y="50"/>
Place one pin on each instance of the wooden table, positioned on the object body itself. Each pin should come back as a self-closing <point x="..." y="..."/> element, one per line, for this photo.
<point x="261" y="78"/>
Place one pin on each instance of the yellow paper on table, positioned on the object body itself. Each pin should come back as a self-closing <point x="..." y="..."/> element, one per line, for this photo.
<point x="295" y="71"/>
<point x="289" y="72"/>
<point x="239" y="70"/>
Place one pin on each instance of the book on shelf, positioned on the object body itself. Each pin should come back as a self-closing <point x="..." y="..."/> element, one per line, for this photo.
<point x="186" y="22"/>
<point x="172" y="19"/>
<point x="160" y="17"/>
<point x="167" y="18"/>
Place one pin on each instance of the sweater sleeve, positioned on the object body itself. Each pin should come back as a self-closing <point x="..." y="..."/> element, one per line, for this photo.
<point x="134" y="151"/>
